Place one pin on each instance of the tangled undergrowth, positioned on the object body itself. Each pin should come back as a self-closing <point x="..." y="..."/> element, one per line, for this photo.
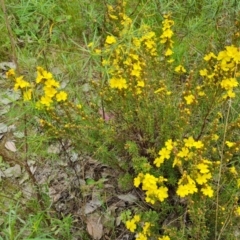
<point x="172" y="126"/>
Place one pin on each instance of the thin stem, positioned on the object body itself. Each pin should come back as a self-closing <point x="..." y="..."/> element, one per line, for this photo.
<point x="220" y="171"/>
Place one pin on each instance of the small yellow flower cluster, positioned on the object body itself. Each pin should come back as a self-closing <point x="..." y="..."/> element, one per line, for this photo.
<point x="164" y="238"/>
<point x="50" y="88"/>
<point x="131" y="224"/>
<point x="21" y="84"/>
<point x="189" y="99"/>
<point x="120" y="22"/>
<point x="187" y="154"/>
<point x="145" y="231"/>
<point x="222" y="70"/>
<point x="180" y="69"/>
<point x="154" y="187"/>
<point x="128" y="62"/>
<point x="202" y="174"/>
<point x="148" y="40"/>
<point x="166" y="37"/>
<point x="237" y="211"/>
<point x="164" y="153"/>
<point x="129" y="53"/>
<point x="199" y="169"/>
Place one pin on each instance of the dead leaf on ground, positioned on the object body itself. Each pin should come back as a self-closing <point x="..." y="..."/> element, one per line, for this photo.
<point x="10" y="145"/>
<point x="3" y="128"/>
<point x="92" y="205"/>
<point x="95" y="227"/>
<point x="14" y="171"/>
<point x="129" y="197"/>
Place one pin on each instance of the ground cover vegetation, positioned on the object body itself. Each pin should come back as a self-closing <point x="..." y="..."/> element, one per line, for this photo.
<point x="120" y="119"/>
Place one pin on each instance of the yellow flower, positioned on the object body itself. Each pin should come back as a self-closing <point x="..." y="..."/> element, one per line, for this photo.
<point x="136" y="218"/>
<point x="238" y="182"/>
<point x="180" y="69"/>
<point x="137" y="180"/>
<point x="50" y="82"/>
<point x="189" y="99"/>
<point x="215" y="137"/>
<point x="97" y="51"/>
<point x="229" y="83"/>
<point x="136" y="42"/>
<point x="50" y="91"/>
<point x="203" y="72"/>
<point x="140" y="83"/>
<point x="182" y="190"/>
<point x="230" y="144"/>
<point x="203" y="178"/>
<point x="207" y="191"/>
<point x="203" y="168"/>
<point x="232" y="51"/>
<point x="230" y="94"/>
<point x="162" y="193"/>
<point x="141" y="236"/>
<point x="150" y="44"/>
<point x="189" y="186"/>
<point x="42" y="75"/>
<point x="198" y="144"/>
<point x="171" y="60"/>
<point x="183" y="153"/>
<point x="209" y="56"/>
<point x="237" y="211"/>
<point x="164" y="238"/>
<point x="146" y="227"/>
<point x="169" y="52"/>
<point x="233" y="170"/>
<point x="158" y="161"/>
<point x="110" y="40"/>
<point x="27" y="95"/>
<point x="10" y="73"/>
<point x="168" y="33"/>
<point x="189" y="142"/>
<point x="45" y="100"/>
<point x="131" y="225"/>
<point x="169" y="144"/>
<point x="165" y="153"/>
<point x="61" y="96"/>
<point x="79" y="106"/>
<point x="119" y="83"/>
<point x="105" y="62"/>
<point x="20" y="83"/>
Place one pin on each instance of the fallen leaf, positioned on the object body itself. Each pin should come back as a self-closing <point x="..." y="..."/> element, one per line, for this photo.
<point x="92" y="205"/>
<point x="10" y="145"/>
<point x="18" y="134"/>
<point x="3" y="128"/>
<point x="14" y="171"/>
<point x="95" y="227"/>
<point x="33" y="169"/>
<point x="129" y="197"/>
